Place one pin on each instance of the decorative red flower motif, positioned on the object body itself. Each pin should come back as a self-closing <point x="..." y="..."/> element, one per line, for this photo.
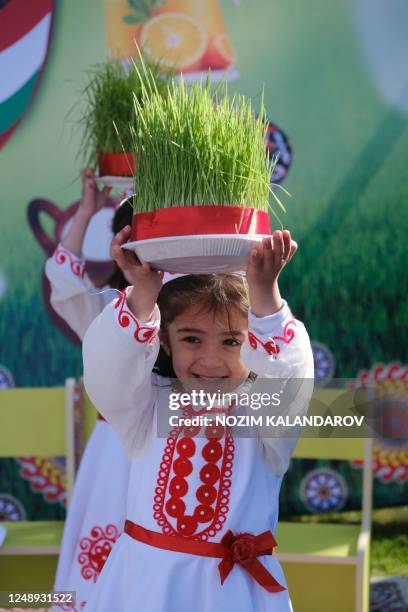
<point x="125" y="318"/>
<point x="270" y="346"/>
<point x="288" y="332"/>
<point x="209" y="514"/>
<point x="243" y="549"/>
<point x="253" y="342"/>
<point x="77" y="267"/>
<point x="95" y="550"/>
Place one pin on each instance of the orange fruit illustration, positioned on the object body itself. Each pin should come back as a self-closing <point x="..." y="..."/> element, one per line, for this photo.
<point x="220" y="53"/>
<point x="184" y="34"/>
<point x="120" y="35"/>
<point x="175" y="39"/>
<point x="206" y="12"/>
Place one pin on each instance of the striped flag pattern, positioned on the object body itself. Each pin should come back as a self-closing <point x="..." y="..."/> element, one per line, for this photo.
<point x="25" y="32"/>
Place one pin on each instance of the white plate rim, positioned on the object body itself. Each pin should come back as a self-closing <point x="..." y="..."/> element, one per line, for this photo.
<point x="118" y="180"/>
<point x="163" y="239"/>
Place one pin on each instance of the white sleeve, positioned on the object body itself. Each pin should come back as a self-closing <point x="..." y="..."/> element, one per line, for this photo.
<point x="119" y="353"/>
<point x="73" y="296"/>
<point x="278" y="347"/>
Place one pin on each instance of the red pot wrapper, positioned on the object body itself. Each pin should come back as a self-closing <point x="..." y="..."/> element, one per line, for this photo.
<point x="199" y="220"/>
<point x="116" y="164"/>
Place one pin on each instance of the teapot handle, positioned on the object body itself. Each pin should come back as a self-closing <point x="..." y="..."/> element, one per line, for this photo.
<point x="34" y="209"/>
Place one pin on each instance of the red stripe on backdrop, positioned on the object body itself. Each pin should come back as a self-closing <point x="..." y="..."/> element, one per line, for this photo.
<point x="18" y="17"/>
<point x="6" y="135"/>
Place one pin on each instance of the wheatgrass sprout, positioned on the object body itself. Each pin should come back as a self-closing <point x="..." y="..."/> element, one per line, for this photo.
<point x="109" y="108"/>
<point x="197" y="147"/>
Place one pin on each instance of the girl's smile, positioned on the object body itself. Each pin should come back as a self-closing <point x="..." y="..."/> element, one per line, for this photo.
<point x="205" y="346"/>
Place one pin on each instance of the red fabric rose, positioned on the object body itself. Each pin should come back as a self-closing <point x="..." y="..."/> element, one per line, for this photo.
<point x="243" y="549"/>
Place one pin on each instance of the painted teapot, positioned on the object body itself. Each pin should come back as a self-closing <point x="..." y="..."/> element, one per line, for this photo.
<point x="98" y="263"/>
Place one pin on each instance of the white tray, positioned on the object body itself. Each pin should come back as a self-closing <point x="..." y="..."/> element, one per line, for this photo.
<point x="125" y="183"/>
<point x="214" y="253"/>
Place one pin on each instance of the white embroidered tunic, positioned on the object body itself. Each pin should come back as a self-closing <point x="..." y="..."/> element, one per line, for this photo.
<point x="185" y="484"/>
<point x="97" y="509"/>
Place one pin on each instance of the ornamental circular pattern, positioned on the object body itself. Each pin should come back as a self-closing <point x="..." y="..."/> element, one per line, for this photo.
<point x="45" y="476"/>
<point x="6" y="378"/>
<point x="324" y="363"/>
<point x="277" y="145"/>
<point x="391" y="420"/>
<point x="323" y="490"/>
<point x="388" y="418"/>
<point x="11" y="509"/>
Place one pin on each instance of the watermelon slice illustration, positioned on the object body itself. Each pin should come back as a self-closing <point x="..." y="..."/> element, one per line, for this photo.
<point x="25" y="32"/>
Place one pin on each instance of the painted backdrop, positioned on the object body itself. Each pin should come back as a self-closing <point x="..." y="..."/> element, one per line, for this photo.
<point x="335" y="82"/>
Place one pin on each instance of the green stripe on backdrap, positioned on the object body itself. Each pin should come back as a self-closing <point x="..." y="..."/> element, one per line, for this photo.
<point x="13" y="107"/>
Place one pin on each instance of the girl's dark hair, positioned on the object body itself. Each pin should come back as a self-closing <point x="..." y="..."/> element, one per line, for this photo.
<point x="122" y="217"/>
<point x="217" y="293"/>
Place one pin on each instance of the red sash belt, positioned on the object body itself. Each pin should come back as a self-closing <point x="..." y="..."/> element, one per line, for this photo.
<point x="242" y="548"/>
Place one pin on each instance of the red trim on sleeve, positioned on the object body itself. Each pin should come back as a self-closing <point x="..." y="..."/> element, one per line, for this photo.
<point x="141" y="333"/>
<point x="77" y="266"/>
<point x="271" y="347"/>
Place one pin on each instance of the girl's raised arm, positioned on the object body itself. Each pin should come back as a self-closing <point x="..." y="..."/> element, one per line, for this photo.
<point x="119" y="352"/>
<point x="120" y="349"/>
<point x="278" y="347"/>
<point x="278" y="350"/>
<point x="73" y="295"/>
<point x="92" y="200"/>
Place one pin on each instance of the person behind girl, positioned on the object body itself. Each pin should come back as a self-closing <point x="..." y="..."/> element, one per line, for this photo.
<point x="202" y="501"/>
<point x="97" y="509"/>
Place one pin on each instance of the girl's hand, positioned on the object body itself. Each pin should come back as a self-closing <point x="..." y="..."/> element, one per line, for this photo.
<point x="142" y="297"/>
<point x="92" y="199"/>
<point x="265" y="264"/>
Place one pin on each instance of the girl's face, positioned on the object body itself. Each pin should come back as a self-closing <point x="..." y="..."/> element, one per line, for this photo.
<point x="205" y="348"/>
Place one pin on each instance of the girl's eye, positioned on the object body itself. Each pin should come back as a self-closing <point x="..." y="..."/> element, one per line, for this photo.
<point x="232" y="342"/>
<point x="191" y="339"/>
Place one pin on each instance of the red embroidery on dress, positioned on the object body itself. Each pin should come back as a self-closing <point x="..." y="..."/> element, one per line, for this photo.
<point x="213" y="502"/>
<point x="141" y="334"/>
<point x="95" y="550"/>
<point x="77" y="266"/>
<point x="288" y="332"/>
<point x="270" y="346"/>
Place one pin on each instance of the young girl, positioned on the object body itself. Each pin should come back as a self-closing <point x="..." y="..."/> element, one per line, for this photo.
<point x="97" y="508"/>
<point x="202" y="501"/>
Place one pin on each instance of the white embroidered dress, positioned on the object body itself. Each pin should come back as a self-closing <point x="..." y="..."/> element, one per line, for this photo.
<point x="189" y="486"/>
<point x="97" y="509"/>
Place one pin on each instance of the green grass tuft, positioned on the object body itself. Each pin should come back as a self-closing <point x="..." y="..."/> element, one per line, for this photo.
<point x="109" y="108"/>
<point x="198" y="146"/>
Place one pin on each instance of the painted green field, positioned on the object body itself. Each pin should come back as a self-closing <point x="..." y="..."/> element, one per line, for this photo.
<point x="348" y="181"/>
